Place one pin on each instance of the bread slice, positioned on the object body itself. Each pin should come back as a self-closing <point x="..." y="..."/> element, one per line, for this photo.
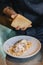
<point x="21" y="21"/>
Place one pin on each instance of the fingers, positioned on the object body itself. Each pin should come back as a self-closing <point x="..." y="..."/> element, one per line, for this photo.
<point x="17" y="28"/>
<point x="13" y="16"/>
<point x="23" y="28"/>
<point x="29" y="26"/>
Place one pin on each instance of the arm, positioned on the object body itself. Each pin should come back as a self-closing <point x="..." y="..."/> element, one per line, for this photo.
<point x="6" y="8"/>
<point x="10" y="12"/>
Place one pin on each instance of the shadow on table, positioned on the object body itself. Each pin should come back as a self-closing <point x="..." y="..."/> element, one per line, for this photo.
<point x="36" y="57"/>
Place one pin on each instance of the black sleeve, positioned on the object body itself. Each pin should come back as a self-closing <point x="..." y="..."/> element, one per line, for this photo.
<point x="3" y="4"/>
<point x="38" y="8"/>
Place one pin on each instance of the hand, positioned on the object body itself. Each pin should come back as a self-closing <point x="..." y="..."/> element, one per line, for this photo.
<point x="23" y="28"/>
<point x="9" y="11"/>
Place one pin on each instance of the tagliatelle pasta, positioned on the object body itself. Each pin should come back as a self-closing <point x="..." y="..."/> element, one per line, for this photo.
<point x="20" y="47"/>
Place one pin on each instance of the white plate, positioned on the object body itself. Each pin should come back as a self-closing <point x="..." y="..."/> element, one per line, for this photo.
<point x="34" y="49"/>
